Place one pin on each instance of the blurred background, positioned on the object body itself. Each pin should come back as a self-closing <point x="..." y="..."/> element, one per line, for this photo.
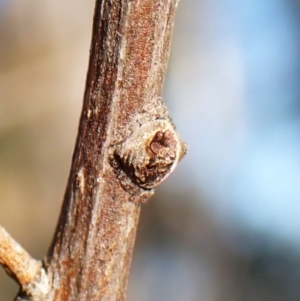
<point x="226" y="224"/>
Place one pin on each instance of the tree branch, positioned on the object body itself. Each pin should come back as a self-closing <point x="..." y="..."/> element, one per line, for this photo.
<point x="27" y="271"/>
<point x="91" y="251"/>
<point x="126" y="146"/>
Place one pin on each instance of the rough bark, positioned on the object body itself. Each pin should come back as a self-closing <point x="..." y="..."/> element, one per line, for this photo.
<point x="89" y="258"/>
<point x="91" y="251"/>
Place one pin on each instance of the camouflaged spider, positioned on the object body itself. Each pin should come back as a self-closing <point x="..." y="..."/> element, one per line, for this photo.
<point x="149" y="152"/>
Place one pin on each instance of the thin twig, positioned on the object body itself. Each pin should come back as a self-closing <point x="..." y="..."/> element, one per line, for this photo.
<point x="27" y="271"/>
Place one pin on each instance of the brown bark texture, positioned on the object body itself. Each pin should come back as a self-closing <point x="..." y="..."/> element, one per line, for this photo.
<point x="126" y="146"/>
<point x="90" y="255"/>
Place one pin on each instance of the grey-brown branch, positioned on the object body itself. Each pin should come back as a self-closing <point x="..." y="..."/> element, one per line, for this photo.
<point x="126" y="146"/>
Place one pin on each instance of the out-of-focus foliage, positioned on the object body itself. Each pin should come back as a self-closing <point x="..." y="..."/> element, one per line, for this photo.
<point x="225" y="225"/>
